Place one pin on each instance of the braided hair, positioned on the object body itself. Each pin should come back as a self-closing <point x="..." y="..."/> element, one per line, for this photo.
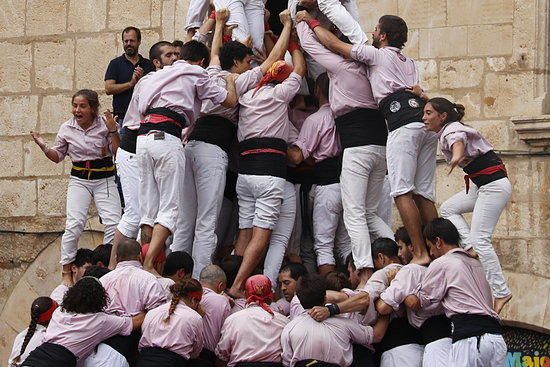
<point x="40" y="306"/>
<point x="181" y="290"/>
<point x="455" y="111"/>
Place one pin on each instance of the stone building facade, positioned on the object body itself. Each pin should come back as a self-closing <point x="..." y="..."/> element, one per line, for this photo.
<point x="490" y="55"/>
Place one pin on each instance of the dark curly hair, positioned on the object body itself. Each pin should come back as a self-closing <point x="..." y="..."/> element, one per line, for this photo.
<point x="86" y="296"/>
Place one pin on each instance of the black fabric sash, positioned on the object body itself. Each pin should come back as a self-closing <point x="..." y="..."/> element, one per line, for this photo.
<point x="435" y="328"/>
<point x="160" y="357"/>
<point x="314" y="363"/>
<point x="465" y="326"/>
<point x="93" y="170"/>
<point x="327" y="172"/>
<point x="205" y="359"/>
<point x="486" y="160"/>
<point x="215" y="130"/>
<point x="128" y="140"/>
<point x="173" y="127"/>
<point x="362" y="356"/>
<point x="399" y="332"/>
<point x="401" y="108"/>
<point x="254" y="160"/>
<point x="362" y="126"/>
<point x="50" y="355"/>
<point x="259" y="364"/>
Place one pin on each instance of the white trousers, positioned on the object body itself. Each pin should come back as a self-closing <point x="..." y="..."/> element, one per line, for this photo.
<point x="161" y="171"/>
<point x="128" y="173"/>
<point x="409" y="355"/>
<point x="490" y="351"/>
<point x="260" y="199"/>
<point x="361" y="181"/>
<point x="344" y="15"/>
<point x="79" y="195"/>
<point x="329" y="231"/>
<point x="487" y="203"/>
<point x="385" y="204"/>
<point x="299" y="243"/>
<point x="248" y="15"/>
<point x="411" y="157"/>
<point x="203" y="187"/>
<point x="281" y="235"/>
<point x="437" y="352"/>
<point x="105" y="356"/>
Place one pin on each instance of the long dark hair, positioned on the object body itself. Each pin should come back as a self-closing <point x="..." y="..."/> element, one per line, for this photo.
<point x="182" y="290"/>
<point x="39" y="307"/>
<point x="455" y="111"/>
<point x="86" y="296"/>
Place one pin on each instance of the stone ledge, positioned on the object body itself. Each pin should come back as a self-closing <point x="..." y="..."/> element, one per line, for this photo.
<point x="534" y="130"/>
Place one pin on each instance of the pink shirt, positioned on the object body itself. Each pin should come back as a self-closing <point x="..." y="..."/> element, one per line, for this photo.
<point x="183" y="334"/>
<point x="238" y="305"/>
<point x="266" y="114"/>
<point x="166" y="283"/>
<point x="281" y="306"/>
<point x="80" y="333"/>
<point x="297" y="117"/>
<point x="328" y="341"/>
<point x="251" y="335"/>
<point x="389" y="70"/>
<point x="474" y="144"/>
<point x="318" y="137"/>
<point x="83" y="145"/>
<point x="404" y="284"/>
<point x="132" y="118"/>
<point x="458" y="281"/>
<point x="350" y="87"/>
<point x="131" y="289"/>
<point x="58" y="293"/>
<point x="217" y="309"/>
<point x="181" y="87"/>
<point x="295" y="307"/>
<point x="243" y="84"/>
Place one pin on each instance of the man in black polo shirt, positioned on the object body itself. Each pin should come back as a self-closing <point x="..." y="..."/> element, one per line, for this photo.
<point x="124" y="72"/>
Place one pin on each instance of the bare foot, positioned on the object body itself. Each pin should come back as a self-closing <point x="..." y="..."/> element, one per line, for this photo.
<point x="499" y="303"/>
<point x="421" y="260"/>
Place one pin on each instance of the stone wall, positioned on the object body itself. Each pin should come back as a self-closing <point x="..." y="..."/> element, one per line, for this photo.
<point x="490" y="55"/>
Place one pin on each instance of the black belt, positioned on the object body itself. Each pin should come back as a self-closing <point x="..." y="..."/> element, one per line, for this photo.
<point x="160" y="357"/>
<point x="215" y="130"/>
<point x="362" y="356"/>
<point x="314" y="363"/>
<point x="402" y="108"/>
<point x="128" y="140"/>
<point x="301" y="174"/>
<point x="363" y="126"/>
<point x="327" y="172"/>
<point x="173" y="125"/>
<point x="465" y="326"/>
<point x="263" y="156"/>
<point x="94" y="169"/>
<point x="259" y="364"/>
<point x="205" y="359"/>
<point x="399" y="332"/>
<point x="50" y="355"/>
<point x="435" y="328"/>
<point x="486" y="160"/>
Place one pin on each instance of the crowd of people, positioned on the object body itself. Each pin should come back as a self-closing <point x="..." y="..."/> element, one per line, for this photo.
<point x="245" y="179"/>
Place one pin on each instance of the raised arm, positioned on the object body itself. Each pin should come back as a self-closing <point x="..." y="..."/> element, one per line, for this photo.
<point x="221" y="18"/>
<point x="50" y="153"/>
<point x="278" y="51"/>
<point x="232" y="98"/>
<point x="326" y="37"/>
<point x="114" y="138"/>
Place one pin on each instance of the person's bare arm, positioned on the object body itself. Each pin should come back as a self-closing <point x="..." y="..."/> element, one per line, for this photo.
<point x="294" y="155"/>
<point x="380" y="327"/>
<point x="232" y="99"/>
<point x="221" y="18"/>
<point x="357" y="303"/>
<point x="327" y="38"/>
<point x="50" y="153"/>
<point x="278" y="51"/>
<point x="137" y="321"/>
<point x="459" y="154"/>
<point x="111" y="87"/>
<point x="299" y="62"/>
<point x="111" y="125"/>
<point x="413" y="302"/>
<point x="382" y="307"/>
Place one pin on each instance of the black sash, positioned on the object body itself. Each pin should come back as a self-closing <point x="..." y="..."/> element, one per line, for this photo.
<point x="259" y="364"/>
<point x="263" y="156"/>
<point x="486" y="160"/>
<point x="399" y="332"/>
<point x="173" y="127"/>
<point x="159" y="357"/>
<point x="465" y="326"/>
<point x="127" y="345"/>
<point x="362" y="126"/>
<point x="50" y="355"/>
<point x="327" y="172"/>
<point x="435" y="328"/>
<point x="314" y="363"/>
<point x="93" y="170"/>
<point x="128" y="140"/>
<point x="215" y="130"/>
<point x="401" y="108"/>
<point x="362" y="356"/>
<point x="205" y="359"/>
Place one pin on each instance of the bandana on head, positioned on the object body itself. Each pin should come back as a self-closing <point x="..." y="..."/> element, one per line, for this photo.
<point x="47" y="315"/>
<point x="278" y="72"/>
<point x="258" y="290"/>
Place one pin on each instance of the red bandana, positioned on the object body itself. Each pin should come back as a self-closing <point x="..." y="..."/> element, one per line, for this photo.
<point x="47" y="315"/>
<point x="258" y="290"/>
<point x="278" y="72"/>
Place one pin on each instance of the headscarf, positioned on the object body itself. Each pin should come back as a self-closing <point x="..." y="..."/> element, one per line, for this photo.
<point x="47" y="315"/>
<point x="278" y="72"/>
<point x="258" y="290"/>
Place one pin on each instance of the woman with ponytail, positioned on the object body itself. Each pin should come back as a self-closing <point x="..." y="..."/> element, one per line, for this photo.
<point x="487" y="188"/>
<point x="173" y="332"/>
<point x="41" y="313"/>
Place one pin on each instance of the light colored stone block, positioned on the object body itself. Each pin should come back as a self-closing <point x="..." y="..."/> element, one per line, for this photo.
<point x="512" y="254"/>
<point x="429" y="78"/>
<point x="12" y="19"/>
<point x="15" y="69"/>
<point x="52" y="194"/>
<point x="460" y="73"/>
<point x="43" y="274"/>
<point x="10" y="158"/>
<point x="371" y="10"/>
<point x="92" y="58"/>
<point x="423" y="13"/>
<point x="18" y="115"/>
<point x="124" y="13"/>
<point x="168" y="19"/>
<point x="496" y="63"/>
<point x="18" y="198"/>
<point x="472" y="102"/>
<point x="519" y="219"/>
<point x="490" y="40"/>
<point x="20" y="316"/>
<point x="54" y="64"/>
<point x="7" y="336"/>
<point x="495" y="131"/>
<point x="156" y="13"/>
<point x="540" y="171"/>
<point x="36" y="162"/>
<point x="508" y="94"/>
<point x="54" y="111"/>
<point x="528" y="304"/>
<point x="411" y="47"/>
<point x="87" y="15"/>
<point x="46" y="17"/>
<point x="443" y="42"/>
<point x="469" y="12"/>
<point x="182" y="6"/>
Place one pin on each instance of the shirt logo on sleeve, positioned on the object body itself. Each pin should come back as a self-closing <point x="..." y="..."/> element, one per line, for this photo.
<point x="414" y="103"/>
<point x="395" y="106"/>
